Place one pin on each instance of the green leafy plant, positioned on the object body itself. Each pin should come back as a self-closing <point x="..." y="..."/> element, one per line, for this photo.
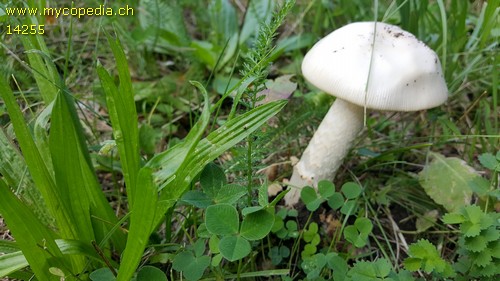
<point x="312" y="239"/>
<point x="344" y="200"/>
<point x="358" y="233"/>
<point x="479" y="246"/>
<point x="423" y="255"/>
<point x="285" y="229"/>
<point x="192" y="263"/>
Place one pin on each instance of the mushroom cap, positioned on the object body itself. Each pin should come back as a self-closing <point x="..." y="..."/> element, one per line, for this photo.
<point x="404" y="73"/>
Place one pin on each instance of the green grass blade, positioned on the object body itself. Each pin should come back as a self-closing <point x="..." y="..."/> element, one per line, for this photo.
<point x="75" y="247"/>
<point x="15" y="172"/>
<point x="34" y="239"/>
<point x="41" y="176"/>
<point x="75" y="177"/>
<point x="141" y="221"/>
<point x="123" y="115"/>
<point x="44" y="72"/>
<point x="12" y="262"/>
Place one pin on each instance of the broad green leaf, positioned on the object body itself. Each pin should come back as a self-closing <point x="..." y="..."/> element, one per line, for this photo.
<point x="230" y="193"/>
<point x="326" y="189"/>
<point x="351" y="190"/>
<point x="196" y="198"/>
<point x="311" y="232"/>
<point x="364" y="225"/>
<point x="453" y="218"/>
<point x="310" y="198"/>
<point x="212" y="178"/>
<point x="224" y="20"/>
<point x="222" y="219"/>
<point x="259" y="12"/>
<point x="102" y="274"/>
<point x="234" y="248"/>
<point x="338" y="265"/>
<point x="161" y="22"/>
<point x="348" y="208"/>
<point x="151" y="273"/>
<point x="352" y="235"/>
<point x="141" y="223"/>
<point x="257" y="225"/>
<point x="446" y="180"/>
<point x="213" y="244"/>
<point x="313" y="265"/>
<point x="413" y="264"/>
<point x="426" y="253"/>
<point x="475" y="244"/>
<point x="199" y="247"/>
<point x="489" y="161"/>
<point x="122" y="112"/>
<point x="336" y="201"/>
<point x="30" y="234"/>
<point x="191" y="267"/>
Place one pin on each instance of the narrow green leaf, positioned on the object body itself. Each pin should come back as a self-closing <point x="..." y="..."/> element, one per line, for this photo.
<point x="71" y="180"/>
<point x="75" y="178"/>
<point x="44" y="71"/>
<point x="76" y="247"/>
<point x="173" y="164"/>
<point x="14" y="170"/>
<point x="34" y="239"/>
<point x="123" y="115"/>
<point x="141" y="223"/>
<point x="41" y="176"/>
<point x="12" y="262"/>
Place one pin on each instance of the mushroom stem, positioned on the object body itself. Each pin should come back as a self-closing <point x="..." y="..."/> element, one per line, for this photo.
<point x="327" y="148"/>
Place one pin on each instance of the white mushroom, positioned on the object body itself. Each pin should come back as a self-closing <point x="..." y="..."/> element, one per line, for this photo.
<point x="365" y="65"/>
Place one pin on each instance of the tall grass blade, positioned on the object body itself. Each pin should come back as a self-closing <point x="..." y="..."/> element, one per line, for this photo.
<point x="35" y="239"/>
<point x="12" y="262"/>
<point x="123" y="115"/>
<point x="75" y="178"/>
<point x="41" y="176"/>
<point x="43" y="69"/>
<point x="15" y="172"/>
<point x="141" y="222"/>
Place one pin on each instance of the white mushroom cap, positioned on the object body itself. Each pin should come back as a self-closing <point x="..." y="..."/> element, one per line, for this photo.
<point x="405" y="74"/>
